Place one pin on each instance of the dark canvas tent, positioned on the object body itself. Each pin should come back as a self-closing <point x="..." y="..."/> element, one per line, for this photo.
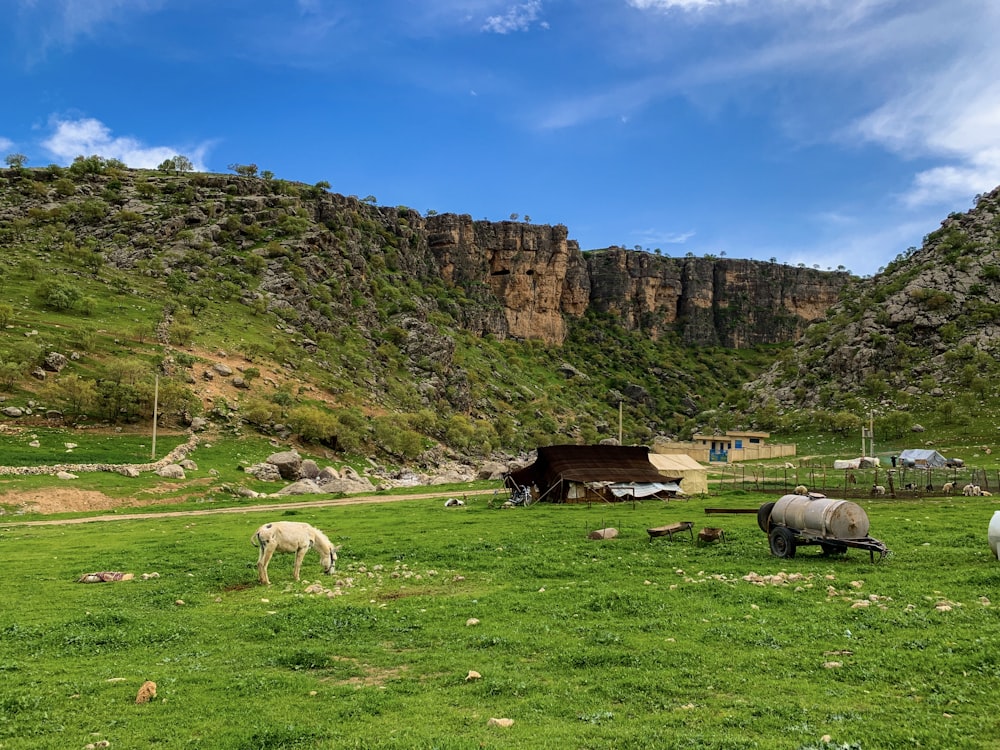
<point x="921" y="458"/>
<point x="578" y="473"/>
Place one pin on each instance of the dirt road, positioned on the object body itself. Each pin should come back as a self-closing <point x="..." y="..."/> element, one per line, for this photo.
<point x="355" y="500"/>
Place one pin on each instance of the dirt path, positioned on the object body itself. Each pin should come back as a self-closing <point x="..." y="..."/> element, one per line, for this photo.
<point x="356" y="500"/>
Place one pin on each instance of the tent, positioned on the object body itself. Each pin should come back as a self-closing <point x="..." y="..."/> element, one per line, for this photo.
<point x="582" y="473"/>
<point x="921" y="458"/>
<point x="693" y="476"/>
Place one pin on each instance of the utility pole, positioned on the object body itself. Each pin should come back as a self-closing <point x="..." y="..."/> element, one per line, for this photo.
<point x="156" y="398"/>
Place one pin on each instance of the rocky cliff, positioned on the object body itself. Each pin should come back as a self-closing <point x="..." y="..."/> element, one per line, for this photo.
<point x="318" y="254"/>
<point x="540" y="278"/>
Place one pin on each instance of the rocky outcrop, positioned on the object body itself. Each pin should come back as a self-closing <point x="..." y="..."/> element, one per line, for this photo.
<point x="540" y="279"/>
<point x="328" y="258"/>
<point x="732" y="303"/>
<point x="536" y="273"/>
<point x="927" y="327"/>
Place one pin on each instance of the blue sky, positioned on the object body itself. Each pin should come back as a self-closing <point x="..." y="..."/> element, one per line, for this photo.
<point x="825" y="132"/>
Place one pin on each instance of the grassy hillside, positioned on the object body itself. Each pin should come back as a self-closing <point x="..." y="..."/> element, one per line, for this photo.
<point x="322" y="306"/>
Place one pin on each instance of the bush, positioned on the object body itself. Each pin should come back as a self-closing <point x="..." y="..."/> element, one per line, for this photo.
<point x="57" y="294"/>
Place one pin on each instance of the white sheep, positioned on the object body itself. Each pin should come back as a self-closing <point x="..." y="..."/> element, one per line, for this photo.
<point x="984" y="493"/>
<point x="801" y="490"/>
<point x="948" y="488"/>
<point x="969" y="490"/>
<point x="878" y="489"/>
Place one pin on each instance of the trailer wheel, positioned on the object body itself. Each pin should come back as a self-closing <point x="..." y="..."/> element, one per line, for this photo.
<point x="782" y="542"/>
<point x="764" y="517"/>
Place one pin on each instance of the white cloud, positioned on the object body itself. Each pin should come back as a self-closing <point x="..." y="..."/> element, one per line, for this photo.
<point x="681" y="4"/>
<point x="88" y="137"/>
<point x="6" y="144"/>
<point x="517" y="18"/>
<point x="652" y="237"/>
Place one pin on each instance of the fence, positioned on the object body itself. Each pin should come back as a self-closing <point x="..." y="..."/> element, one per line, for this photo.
<point x="853" y="483"/>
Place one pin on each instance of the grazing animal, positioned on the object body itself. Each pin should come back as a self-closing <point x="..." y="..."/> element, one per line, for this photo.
<point x="969" y="490"/>
<point x="911" y="487"/>
<point x="801" y="490"/>
<point x="984" y="493"/>
<point x="948" y="488"/>
<point x="878" y="489"/>
<point x="292" y="536"/>
<point x="453" y="502"/>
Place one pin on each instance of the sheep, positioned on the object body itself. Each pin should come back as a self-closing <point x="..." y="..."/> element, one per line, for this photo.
<point x="453" y="502"/>
<point x="969" y="490"/>
<point x="292" y="536"/>
<point x="948" y="487"/>
<point x="801" y="490"/>
<point x="984" y="493"/>
<point x="878" y="489"/>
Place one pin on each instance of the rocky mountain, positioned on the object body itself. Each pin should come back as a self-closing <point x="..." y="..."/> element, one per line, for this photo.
<point x="466" y="332"/>
<point x="919" y="335"/>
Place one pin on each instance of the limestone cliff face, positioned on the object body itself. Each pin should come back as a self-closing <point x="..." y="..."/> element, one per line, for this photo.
<point x="536" y="273"/>
<point x="540" y="279"/>
<point x="732" y="303"/>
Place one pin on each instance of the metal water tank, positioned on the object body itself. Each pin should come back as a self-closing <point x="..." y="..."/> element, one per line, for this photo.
<point x="836" y="519"/>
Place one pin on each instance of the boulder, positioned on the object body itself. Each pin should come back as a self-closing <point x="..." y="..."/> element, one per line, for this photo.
<point x="289" y="464"/>
<point x="171" y="471"/>
<point x="301" y="487"/>
<point x="264" y="472"/>
<point x="54" y="361"/>
<point x="309" y="469"/>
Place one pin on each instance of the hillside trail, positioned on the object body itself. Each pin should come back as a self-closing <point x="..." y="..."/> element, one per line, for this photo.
<point x="355" y="500"/>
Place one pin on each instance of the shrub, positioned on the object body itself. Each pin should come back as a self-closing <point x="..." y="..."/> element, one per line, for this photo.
<point x="57" y="294"/>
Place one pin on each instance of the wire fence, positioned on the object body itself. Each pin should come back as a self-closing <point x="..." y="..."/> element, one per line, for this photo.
<point x="856" y="483"/>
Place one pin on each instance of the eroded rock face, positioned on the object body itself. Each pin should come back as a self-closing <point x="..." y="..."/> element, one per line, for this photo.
<point x="535" y="272"/>
<point x="732" y="303"/>
<point x="540" y="279"/>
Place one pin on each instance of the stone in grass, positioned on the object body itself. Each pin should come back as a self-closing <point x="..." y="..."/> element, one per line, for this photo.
<point x="505" y="723"/>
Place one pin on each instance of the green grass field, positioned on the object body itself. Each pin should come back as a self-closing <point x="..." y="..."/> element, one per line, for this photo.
<point x="624" y="643"/>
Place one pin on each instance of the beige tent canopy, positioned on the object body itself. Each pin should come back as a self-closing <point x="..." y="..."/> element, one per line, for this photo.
<point x="693" y="476"/>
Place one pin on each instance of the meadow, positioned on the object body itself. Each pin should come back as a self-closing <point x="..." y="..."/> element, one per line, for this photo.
<point x="621" y="643"/>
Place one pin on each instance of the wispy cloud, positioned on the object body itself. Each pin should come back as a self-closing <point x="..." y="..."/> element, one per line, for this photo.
<point x="6" y="143"/>
<point x="516" y="18"/>
<point x="61" y="22"/>
<point x="652" y="237"/>
<point x="88" y="136"/>
<point x="681" y="4"/>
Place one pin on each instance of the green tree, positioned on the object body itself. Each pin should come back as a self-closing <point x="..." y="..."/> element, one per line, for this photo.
<point x="244" y="170"/>
<point x="16" y="161"/>
<point x="75" y="395"/>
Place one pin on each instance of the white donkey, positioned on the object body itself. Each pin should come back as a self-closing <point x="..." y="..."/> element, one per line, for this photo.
<point x="292" y="536"/>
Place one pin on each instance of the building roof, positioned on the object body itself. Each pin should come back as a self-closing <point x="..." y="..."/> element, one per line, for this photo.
<point x="588" y="463"/>
<point x="675" y="462"/>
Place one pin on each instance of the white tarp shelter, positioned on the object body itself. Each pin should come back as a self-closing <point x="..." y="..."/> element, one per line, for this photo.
<point x="693" y="476"/>
<point x="863" y="462"/>
<point x="921" y="457"/>
<point x="643" y="489"/>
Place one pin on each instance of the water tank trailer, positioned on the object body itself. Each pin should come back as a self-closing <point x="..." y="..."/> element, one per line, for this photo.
<point x="814" y="519"/>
